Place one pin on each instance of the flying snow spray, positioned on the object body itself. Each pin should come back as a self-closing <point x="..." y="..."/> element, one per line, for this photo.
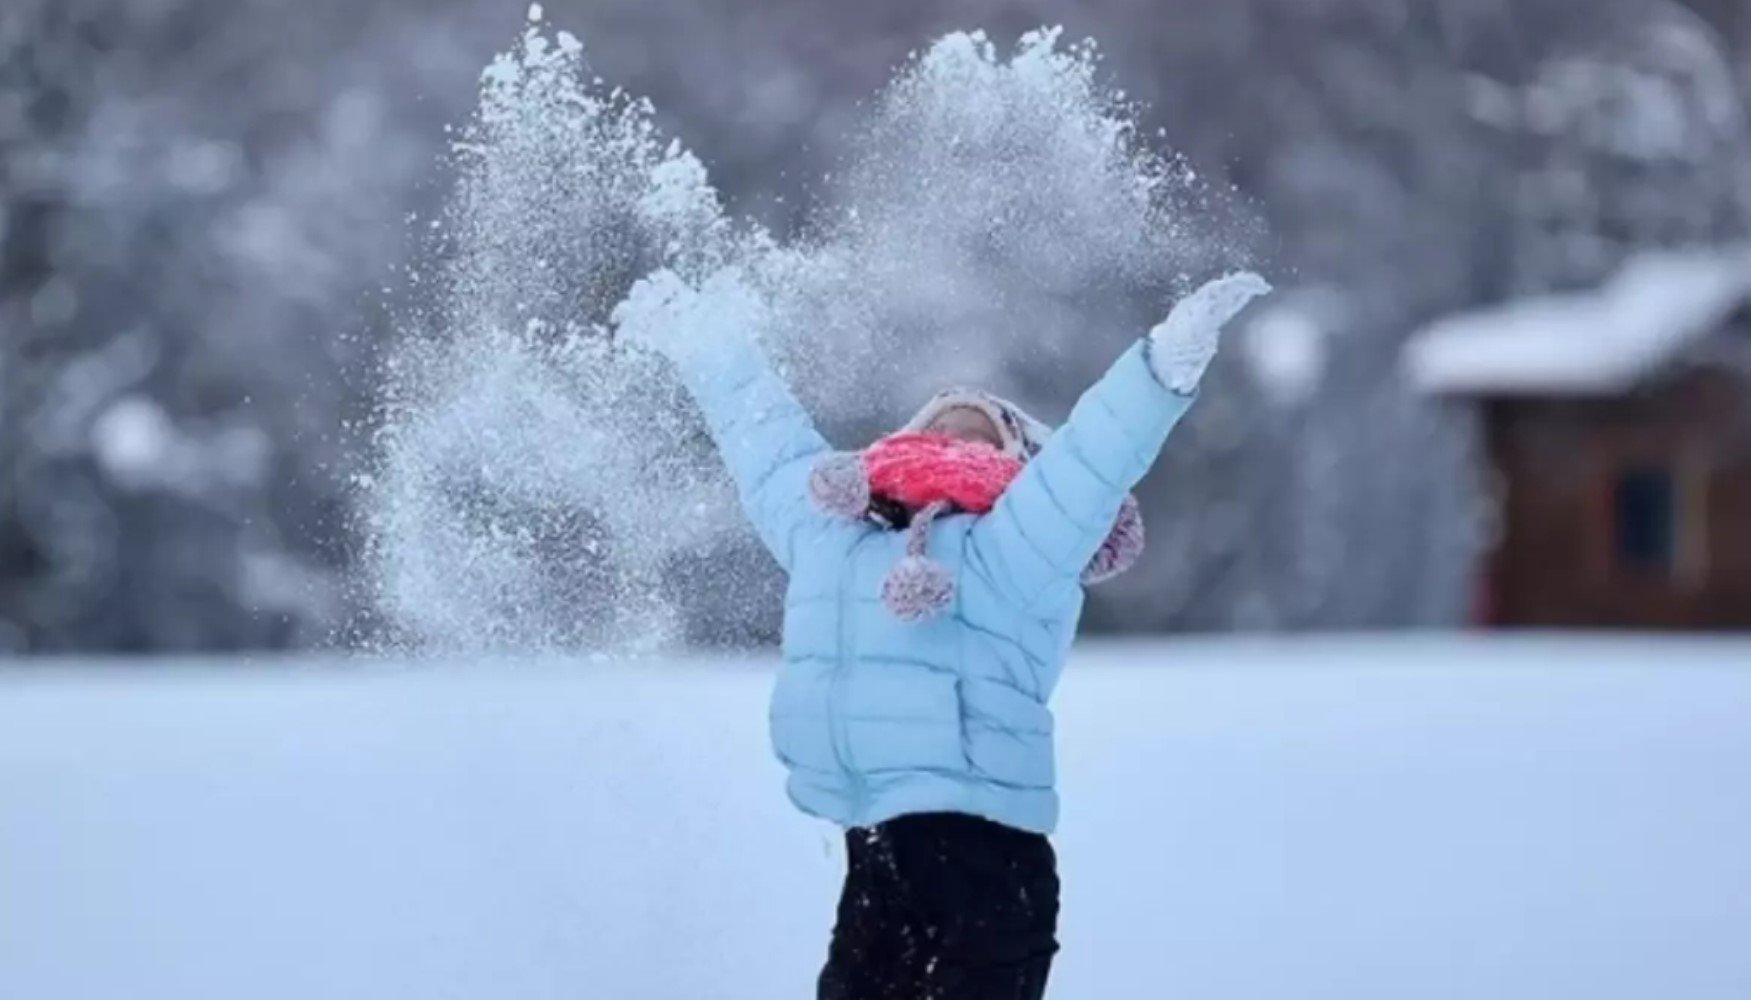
<point x="539" y="483"/>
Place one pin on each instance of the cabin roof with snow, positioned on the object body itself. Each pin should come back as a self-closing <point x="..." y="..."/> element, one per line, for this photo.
<point x="1658" y="309"/>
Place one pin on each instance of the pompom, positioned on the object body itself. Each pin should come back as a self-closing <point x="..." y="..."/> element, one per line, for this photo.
<point x="840" y="486"/>
<point x="918" y="588"/>
<point x="1122" y="548"/>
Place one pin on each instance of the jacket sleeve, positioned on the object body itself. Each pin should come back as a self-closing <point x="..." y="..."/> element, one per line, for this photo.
<point x="1053" y="518"/>
<point x="765" y="437"/>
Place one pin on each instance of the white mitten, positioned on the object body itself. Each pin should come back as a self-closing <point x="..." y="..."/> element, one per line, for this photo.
<point x="1181" y="346"/>
<point x="665" y="314"/>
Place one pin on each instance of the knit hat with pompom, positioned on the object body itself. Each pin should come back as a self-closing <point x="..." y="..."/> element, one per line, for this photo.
<point x="906" y="480"/>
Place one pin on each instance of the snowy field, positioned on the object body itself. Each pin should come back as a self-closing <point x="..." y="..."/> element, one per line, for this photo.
<point x="1365" y="820"/>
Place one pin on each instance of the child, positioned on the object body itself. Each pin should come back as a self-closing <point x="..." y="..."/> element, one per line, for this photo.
<point x="935" y="587"/>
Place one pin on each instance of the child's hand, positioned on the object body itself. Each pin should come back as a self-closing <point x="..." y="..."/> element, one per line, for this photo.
<point x="664" y="313"/>
<point x="1181" y="346"/>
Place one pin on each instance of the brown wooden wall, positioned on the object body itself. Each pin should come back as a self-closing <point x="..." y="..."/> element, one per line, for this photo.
<point x="1557" y="468"/>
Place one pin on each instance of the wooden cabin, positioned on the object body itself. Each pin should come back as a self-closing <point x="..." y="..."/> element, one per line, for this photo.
<point x="1617" y="425"/>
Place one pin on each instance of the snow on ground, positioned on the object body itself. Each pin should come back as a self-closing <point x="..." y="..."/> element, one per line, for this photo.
<point x="1355" y="819"/>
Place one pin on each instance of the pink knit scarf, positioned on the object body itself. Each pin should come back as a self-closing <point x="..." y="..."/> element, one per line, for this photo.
<point x="917" y="469"/>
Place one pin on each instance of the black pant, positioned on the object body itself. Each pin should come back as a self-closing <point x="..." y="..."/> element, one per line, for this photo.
<point x="941" y="906"/>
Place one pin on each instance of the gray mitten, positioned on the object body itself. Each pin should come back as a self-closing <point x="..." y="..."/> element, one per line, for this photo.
<point x="1181" y="346"/>
<point x="663" y="313"/>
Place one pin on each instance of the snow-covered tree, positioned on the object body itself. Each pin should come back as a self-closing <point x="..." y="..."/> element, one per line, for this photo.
<point x="196" y="207"/>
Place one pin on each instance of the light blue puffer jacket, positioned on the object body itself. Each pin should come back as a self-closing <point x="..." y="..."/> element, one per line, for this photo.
<point x="877" y="717"/>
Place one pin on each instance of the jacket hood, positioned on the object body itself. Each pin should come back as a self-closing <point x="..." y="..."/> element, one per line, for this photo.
<point x="1022" y="436"/>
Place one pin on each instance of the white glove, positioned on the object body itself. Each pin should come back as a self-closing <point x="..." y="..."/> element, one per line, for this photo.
<point x="1181" y="346"/>
<point x="663" y="313"/>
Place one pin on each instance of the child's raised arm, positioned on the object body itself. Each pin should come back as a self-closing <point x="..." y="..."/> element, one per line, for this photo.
<point x="1053" y="518"/>
<point x="765" y="436"/>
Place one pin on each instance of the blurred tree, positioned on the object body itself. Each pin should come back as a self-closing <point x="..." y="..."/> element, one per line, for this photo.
<point x="196" y="206"/>
<point x="1639" y="139"/>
